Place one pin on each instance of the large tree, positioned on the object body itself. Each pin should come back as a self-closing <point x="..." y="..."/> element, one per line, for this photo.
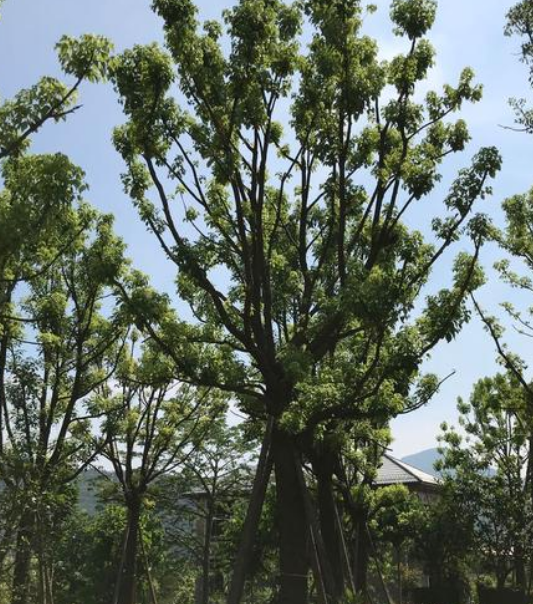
<point x="61" y="344"/>
<point x="40" y="226"/>
<point x="516" y="238"/>
<point x="38" y="222"/>
<point x="278" y="177"/>
<point x="38" y="189"/>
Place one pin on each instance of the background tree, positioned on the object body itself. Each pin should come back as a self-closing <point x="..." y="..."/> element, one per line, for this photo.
<point x="492" y="475"/>
<point x="206" y="495"/>
<point x="515" y="239"/>
<point x="306" y="229"/>
<point x="37" y="202"/>
<point x="346" y="453"/>
<point x="395" y="519"/>
<point x="39" y="192"/>
<point x="152" y="425"/>
<point x="445" y="542"/>
<point x="38" y="189"/>
<point x="520" y="23"/>
<point x="90" y="549"/>
<point x="66" y="351"/>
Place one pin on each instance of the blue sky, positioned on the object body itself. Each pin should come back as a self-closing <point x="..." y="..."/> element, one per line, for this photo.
<point x="467" y="33"/>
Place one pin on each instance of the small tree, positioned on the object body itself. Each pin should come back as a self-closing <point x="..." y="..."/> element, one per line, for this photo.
<point x="88" y="551"/>
<point x="445" y="540"/>
<point x="395" y="518"/>
<point x="152" y="426"/>
<point x="492" y="474"/>
<point x="212" y="483"/>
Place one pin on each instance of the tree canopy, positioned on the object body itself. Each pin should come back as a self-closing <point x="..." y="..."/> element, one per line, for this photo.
<point x="323" y="211"/>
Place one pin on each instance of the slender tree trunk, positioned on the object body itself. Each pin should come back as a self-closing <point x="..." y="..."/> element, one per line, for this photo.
<point x="345" y="552"/>
<point x="320" y="561"/>
<point x="318" y="576"/>
<point x="521" y="579"/>
<point x="253" y="515"/>
<point x="127" y="580"/>
<point x="121" y="563"/>
<point x="42" y="581"/>
<point x="330" y="530"/>
<point x="399" y="574"/>
<point x="49" y="583"/>
<point x="46" y="594"/>
<point x="206" y="554"/>
<point x="22" y="563"/>
<point x="153" y="595"/>
<point x="529" y="486"/>
<point x="378" y="563"/>
<point x="44" y="563"/>
<point x="293" y="528"/>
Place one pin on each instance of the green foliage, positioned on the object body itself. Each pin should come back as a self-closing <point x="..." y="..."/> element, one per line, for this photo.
<point x="520" y="24"/>
<point x="301" y="274"/>
<point x="396" y="515"/>
<point x="489" y="472"/>
<point x="56" y="339"/>
<point x="88" y="554"/>
<point x="315" y="320"/>
<point x="261" y="583"/>
<point x="444" y="538"/>
<point x="22" y="116"/>
<point x="152" y="423"/>
<point x="204" y="505"/>
<point x="413" y="18"/>
<point x="86" y="58"/>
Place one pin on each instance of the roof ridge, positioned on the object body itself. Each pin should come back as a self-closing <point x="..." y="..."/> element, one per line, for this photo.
<point x="416" y="474"/>
<point x="398" y="462"/>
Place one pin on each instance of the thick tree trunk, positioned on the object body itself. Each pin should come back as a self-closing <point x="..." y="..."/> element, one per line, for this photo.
<point x="293" y="528"/>
<point x="127" y="579"/>
<point x="22" y="563"/>
<point x="361" y="557"/>
<point x="253" y="515"/>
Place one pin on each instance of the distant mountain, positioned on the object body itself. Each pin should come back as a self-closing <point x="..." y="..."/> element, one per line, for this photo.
<point x="424" y="460"/>
<point x="88" y="490"/>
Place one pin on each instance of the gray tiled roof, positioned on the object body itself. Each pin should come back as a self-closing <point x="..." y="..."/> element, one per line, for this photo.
<point x="394" y="471"/>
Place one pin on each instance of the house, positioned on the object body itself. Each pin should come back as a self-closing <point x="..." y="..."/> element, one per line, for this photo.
<point x="394" y="472"/>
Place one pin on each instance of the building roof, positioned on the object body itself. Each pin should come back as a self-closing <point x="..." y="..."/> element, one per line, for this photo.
<point x="394" y="471"/>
